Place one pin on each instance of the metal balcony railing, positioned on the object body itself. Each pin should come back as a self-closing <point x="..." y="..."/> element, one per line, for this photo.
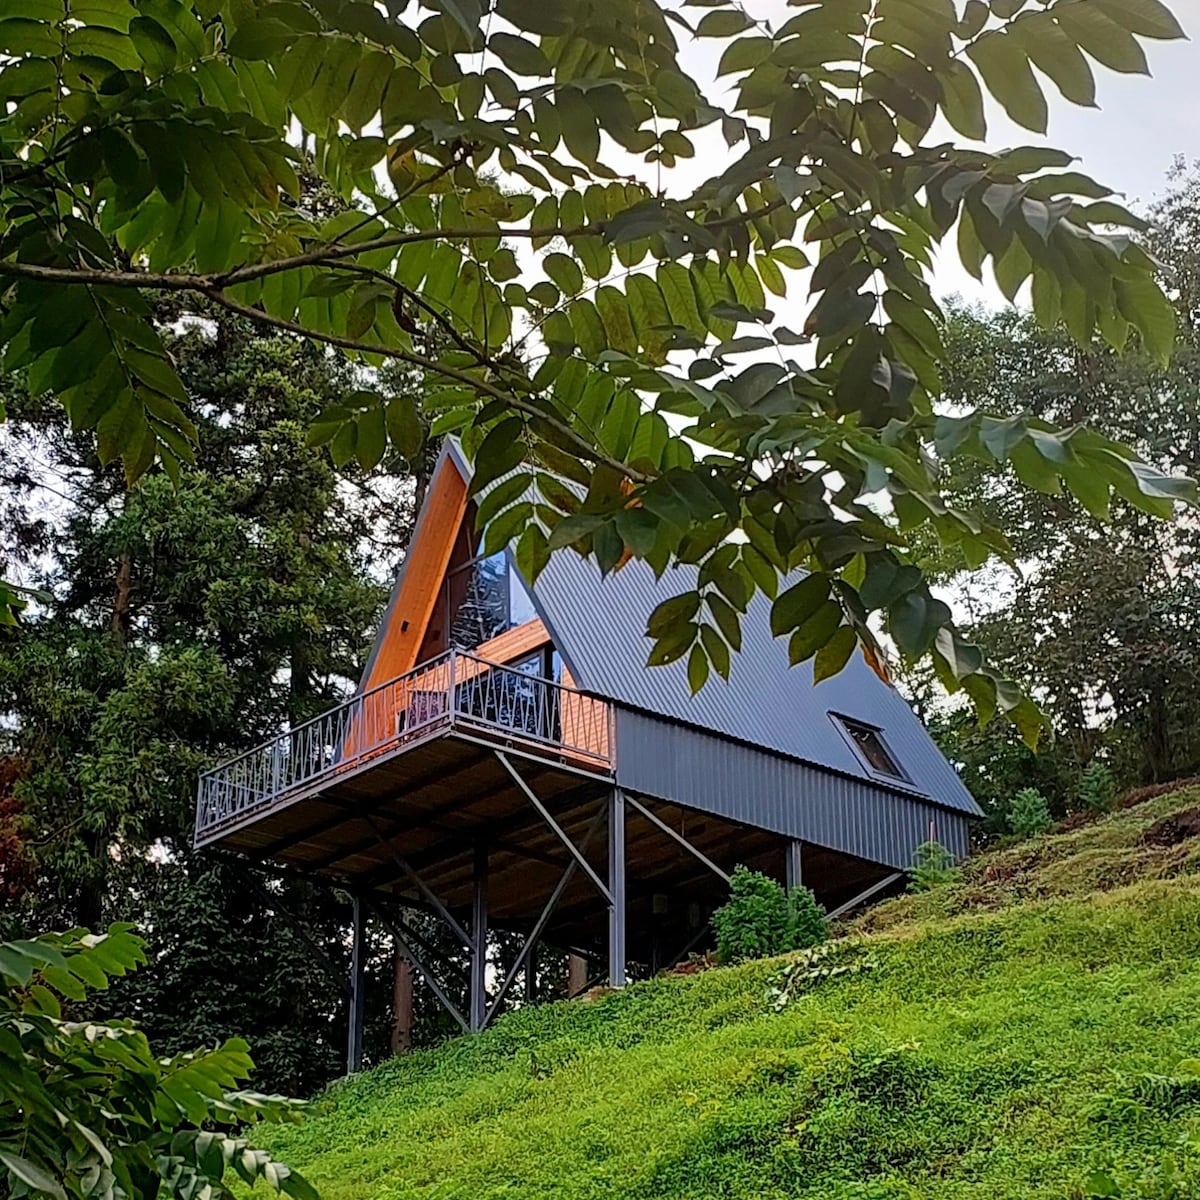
<point x="456" y="689"/>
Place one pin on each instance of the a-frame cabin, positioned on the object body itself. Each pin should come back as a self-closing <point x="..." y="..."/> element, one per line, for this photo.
<point x="509" y="762"/>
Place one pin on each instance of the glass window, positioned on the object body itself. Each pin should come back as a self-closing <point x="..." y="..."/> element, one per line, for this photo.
<point x="487" y="598"/>
<point x="871" y="747"/>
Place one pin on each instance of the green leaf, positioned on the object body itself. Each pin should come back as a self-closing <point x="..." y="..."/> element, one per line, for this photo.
<point x="914" y="621"/>
<point x="697" y="670"/>
<point x="642" y="220"/>
<point x="744" y="54"/>
<point x="1004" y="65"/>
<point x="404" y="426"/>
<point x="565" y="272"/>
<point x="962" y="99"/>
<point x="1149" y="18"/>
<point x="1101" y="37"/>
<point x="723" y="24"/>
<point x="264" y="38"/>
<point x="154" y="44"/>
<point x="673" y="613"/>
<point x="579" y="130"/>
<point x="794" y="606"/>
<point x="32" y="1176"/>
<point x="815" y="633"/>
<point x="1142" y="302"/>
<point x="832" y="657"/>
<point x="520" y="56"/>
<point x="1057" y="55"/>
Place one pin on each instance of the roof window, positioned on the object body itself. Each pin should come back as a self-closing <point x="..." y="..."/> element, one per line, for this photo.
<point x="869" y="745"/>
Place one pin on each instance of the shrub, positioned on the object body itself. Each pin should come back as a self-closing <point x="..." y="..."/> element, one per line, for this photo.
<point x="88" y="1110"/>
<point x="1097" y="789"/>
<point x="1029" y="814"/>
<point x="933" y="867"/>
<point x="809" y="927"/>
<point x="761" y="919"/>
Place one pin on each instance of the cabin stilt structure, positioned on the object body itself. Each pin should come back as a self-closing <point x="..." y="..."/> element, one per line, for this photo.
<point x="509" y="766"/>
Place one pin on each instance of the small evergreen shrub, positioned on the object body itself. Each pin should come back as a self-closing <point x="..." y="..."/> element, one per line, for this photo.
<point x="761" y="919"/>
<point x="809" y="927"/>
<point x="933" y="867"/>
<point x="1097" y="788"/>
<point x="1030" y="814"/>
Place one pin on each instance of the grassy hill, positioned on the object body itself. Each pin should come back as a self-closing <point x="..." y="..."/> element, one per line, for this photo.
<point x="1007" y="1037"/>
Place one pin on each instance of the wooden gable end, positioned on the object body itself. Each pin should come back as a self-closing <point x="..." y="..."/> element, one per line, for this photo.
<point x="407" y="618"/>
<point x="414" y="627"/>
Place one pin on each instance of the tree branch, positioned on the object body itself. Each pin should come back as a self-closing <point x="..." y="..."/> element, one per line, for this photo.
<point x="328" y="252"/>
<point x="518" y="403"/>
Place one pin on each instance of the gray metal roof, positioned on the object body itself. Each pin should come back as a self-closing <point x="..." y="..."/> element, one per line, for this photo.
<point x="598" y="624"/>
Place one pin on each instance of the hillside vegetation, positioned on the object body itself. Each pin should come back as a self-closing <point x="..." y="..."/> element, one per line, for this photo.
<point x="1027" y="1033"/>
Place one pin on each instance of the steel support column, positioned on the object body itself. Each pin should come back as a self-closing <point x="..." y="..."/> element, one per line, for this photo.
<point x="793" y="871"/>
<point x="358" y="971"/>
<point x="616" y="889"/>
<point x="479" y="941"/>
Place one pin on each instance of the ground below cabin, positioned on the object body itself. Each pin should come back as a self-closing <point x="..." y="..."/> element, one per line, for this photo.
<point x="1030" y="1032"/>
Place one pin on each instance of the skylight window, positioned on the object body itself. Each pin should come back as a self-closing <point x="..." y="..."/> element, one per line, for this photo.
<point x="869" y="745"/>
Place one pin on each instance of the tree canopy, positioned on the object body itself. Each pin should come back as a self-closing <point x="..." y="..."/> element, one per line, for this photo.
<point x="181" y="623"/>
<point x="1111" y="605"/>
<point x="737" y="371"/>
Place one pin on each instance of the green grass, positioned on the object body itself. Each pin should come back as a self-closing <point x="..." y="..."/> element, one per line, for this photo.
<point x="1001" y="1045"/>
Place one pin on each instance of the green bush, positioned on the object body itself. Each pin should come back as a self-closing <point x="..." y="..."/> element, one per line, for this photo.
<point x="761" y="919"/>
<point x="809" y="927"/>
<point x="1097" y="788"/>
<point x="88" y="1111"/>
<point x="933" y="867"/>
<point x="1030" y="814"/>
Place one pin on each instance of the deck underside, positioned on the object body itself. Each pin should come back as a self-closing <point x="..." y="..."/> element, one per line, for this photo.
<point x="424" y="809"/>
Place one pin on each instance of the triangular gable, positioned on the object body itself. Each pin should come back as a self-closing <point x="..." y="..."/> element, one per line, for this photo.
<point x="420" y="578"/>
<point x="441" y="530"/>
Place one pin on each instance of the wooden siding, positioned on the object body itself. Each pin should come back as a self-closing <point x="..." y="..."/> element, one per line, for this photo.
<point x="424" y="570"/>
<point x="577" y="729"/>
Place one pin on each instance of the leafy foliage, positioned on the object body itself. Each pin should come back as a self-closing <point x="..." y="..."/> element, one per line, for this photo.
<point x="1029" y="815"/>
<point x="933" y="867"/>
<point x="88" y="1110"/>
<point x="509" y="221"/>
<point x="812" y="967"/>
<point x="180" y="624"/>
<point x="1112" y="605"/>
<point x="760" y="919"/>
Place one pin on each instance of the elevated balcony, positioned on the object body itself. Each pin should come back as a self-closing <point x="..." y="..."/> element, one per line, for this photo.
<point x="348" y="756"/>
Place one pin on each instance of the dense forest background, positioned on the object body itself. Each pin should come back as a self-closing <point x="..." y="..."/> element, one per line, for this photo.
<point x="183" y="624"/>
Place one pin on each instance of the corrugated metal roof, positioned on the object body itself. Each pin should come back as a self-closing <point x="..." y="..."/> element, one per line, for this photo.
<point x="598" y="624"/>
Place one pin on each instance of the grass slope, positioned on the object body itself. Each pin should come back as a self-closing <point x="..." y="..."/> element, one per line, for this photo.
<point x="1011" y="1036"/>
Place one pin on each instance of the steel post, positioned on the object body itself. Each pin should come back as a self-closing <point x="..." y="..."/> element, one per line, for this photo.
<point x="616" y="889"/>
<point x="358" y="971"/>
<point x="793" y="872"/>
<point x="479" y="941"/>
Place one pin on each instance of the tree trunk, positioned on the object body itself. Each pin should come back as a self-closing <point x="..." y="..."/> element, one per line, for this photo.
<point x="121" y="618"/>
<point x="402" y="1005"/>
